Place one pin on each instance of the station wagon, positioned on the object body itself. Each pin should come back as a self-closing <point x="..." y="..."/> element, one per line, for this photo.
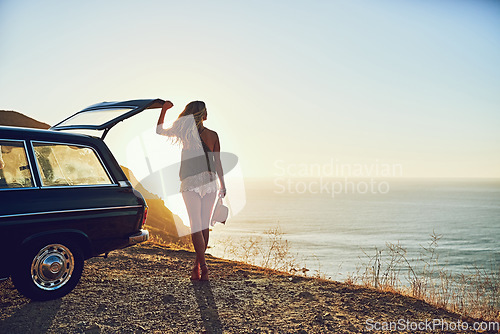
<point x="64" y="199"/>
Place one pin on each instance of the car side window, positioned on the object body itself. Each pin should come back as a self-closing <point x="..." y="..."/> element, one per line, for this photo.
<point x="15" y="171"/>
<point x="69" y="165"/>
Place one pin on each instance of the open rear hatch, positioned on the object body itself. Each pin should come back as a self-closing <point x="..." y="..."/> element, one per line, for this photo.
<point x="103" y="116"/>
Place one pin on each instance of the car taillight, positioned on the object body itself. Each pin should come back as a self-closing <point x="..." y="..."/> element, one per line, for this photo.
<point x="145" y="216"/>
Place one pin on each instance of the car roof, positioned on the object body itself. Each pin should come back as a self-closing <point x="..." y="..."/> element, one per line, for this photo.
<point x="20" y="133"/>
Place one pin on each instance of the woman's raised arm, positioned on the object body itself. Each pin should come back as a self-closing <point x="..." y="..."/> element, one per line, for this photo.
<point x="159" y="127"/>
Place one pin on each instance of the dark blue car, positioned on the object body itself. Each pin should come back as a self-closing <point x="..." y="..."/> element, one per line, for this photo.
<point x="64" y="199"/>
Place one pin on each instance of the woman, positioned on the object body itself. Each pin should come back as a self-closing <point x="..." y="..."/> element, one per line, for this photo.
<point x="200" y="164"/>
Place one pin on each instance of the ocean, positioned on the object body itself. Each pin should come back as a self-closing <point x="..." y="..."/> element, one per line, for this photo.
<point x="337" y="233"/>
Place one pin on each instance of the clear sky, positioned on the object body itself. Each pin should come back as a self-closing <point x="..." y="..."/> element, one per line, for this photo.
<point x="413" y="83"/>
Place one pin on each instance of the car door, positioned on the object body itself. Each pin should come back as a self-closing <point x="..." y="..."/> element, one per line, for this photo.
<point x="17" y="190"/>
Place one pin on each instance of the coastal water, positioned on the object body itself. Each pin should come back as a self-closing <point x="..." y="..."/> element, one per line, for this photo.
<point x="336" y="233"/>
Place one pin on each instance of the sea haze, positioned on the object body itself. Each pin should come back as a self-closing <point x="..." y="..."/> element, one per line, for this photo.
<point x="333" y="232"/>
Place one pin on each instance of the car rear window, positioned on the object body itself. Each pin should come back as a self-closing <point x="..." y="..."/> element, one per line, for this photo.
<point x="69" y="165"/>
<point x="14" y="167"/>
<point x="94" y="117"/>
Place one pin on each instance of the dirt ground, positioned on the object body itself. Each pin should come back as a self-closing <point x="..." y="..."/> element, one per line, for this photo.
<point x="146" y="289"/>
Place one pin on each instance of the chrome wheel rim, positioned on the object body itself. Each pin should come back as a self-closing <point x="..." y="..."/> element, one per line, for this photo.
<point x="52" y="267"/>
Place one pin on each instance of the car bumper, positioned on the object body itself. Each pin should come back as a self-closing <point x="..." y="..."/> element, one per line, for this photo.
<point x="138" y="237"/>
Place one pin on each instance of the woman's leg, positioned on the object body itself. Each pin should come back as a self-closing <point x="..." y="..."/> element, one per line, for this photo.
<point x="193" y="206"/>
<point x="207" y="205"/>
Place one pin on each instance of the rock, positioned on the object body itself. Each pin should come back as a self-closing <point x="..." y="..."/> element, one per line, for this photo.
<point x="168" y="299"/>
<point x="328" y="316"/>
<point x="140" y="329"/>
<point x="93" y="329"/>
<point x="319" y="319"/>
<point x="242" y="273"/>
<point x="352" y="329"/>
<point x="250" y="283"/>
<point x="305" y="294"/>
<point x="81" y="324"/>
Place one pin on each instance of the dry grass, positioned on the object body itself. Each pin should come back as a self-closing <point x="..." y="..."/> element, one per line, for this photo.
<point x="173" y="243"/>
<point x="474" y="294"/>
<point x="270" y="251"/>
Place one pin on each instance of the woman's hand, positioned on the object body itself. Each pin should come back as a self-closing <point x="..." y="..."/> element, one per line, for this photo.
<point x="167" y="105"/>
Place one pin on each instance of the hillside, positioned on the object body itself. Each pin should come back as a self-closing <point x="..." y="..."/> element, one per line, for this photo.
<point x="161" y="220"/>
<point x="14" y="118"/>
<point x="146" y="289"/>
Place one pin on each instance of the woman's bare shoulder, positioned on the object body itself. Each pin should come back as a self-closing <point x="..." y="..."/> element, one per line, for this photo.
<point x="211" y="138"/>
<point x="211" y="134"/>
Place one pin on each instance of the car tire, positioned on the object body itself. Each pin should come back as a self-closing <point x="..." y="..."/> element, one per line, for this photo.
<point x="48" y="269"/>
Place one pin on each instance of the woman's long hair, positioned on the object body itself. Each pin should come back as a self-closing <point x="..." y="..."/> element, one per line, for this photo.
<point x="185" y="129"/>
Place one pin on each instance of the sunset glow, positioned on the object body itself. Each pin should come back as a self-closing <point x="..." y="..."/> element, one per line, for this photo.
<point x="409" y="83"/>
